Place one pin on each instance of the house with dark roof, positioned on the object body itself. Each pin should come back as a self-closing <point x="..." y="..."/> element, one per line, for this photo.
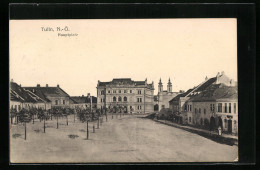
<point x="23" y="98"/>
<point x="132" y="96"/>
<point x="56" y="95"/>
<point x="209" y="104"/>
<point x="84" y="102"/>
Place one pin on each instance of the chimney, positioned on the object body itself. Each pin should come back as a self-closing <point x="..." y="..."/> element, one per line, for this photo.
<point x="218" y="74"/>
<point x="222" y="73"/>
<point x="38" y="85"/>
<point x="47" y="85"/>
<point x="12" y="80"/>
<point x="88" y="94"/>
<point x="82" y="95"/>
<point x="58" y="85"/>
<point x="206" y="78"/>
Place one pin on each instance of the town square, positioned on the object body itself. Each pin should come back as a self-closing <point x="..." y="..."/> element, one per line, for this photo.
<point x="123" y="91"/>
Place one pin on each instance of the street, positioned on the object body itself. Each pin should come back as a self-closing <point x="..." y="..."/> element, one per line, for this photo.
<point x="122" y="139"/>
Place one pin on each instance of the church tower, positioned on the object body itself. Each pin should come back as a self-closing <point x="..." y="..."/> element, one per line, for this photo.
<point x="160" y="86"/>
<point x="169" y="86"/>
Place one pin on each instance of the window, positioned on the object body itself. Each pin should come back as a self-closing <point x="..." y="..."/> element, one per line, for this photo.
<point x="101" y="100"/>
<point x="63" y="101"/>
<point x="125" y="91"/>
<point x="119" y="91"/>
<point x="225" y="107"/>
<point x="204" y="111"/>
<point x="102" y="92"/>
<point x="190" y="107"/>
<point x="212" y="107"/>
<point x="119" y="99"/>
<point x="199" y="110"/>
<point x="56" y="102"/>
<point x="15" y="107"/>
<point x="139" y="107"/>
<point x="185" y="107"/>
<point x="108" y="91"/>
<point x="139" y="100"/>
<point x="139" y="92"/>
<point x="220" y="107"/>
<point x="195" y="110"/>
<point x="114" y="99"/>
<point x="19" y="107"/>
<point x="190" y="119"/>
<point x="114" y="91"/>
<point x="125" y="98"/>
<point x="235" y="107"/>
<point x="130" y="91"/>
<point x="229" y="107"/>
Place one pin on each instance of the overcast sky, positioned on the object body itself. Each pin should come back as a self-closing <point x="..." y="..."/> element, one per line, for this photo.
<point x="184" y="50"/>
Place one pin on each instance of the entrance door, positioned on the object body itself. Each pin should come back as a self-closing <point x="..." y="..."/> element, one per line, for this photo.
<point x="125" y="109"/>
<point x="229" y="126"/>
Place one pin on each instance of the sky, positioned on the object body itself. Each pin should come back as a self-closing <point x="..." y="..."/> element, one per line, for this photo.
<point x="184" y="50"/>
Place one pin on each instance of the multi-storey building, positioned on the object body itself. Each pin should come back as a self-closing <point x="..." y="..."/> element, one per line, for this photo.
<point x="211" y="104"/>
<point x="164" y="96"/>
<point x="132" y="96"/>
<point x="22" y="98"/>
<point x="57" y="96"/>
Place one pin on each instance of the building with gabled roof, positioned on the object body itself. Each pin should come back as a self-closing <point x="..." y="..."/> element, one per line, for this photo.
<point x="204" y="104"/>
<point x="128" y="95"/>
<point x="57" y="96"/>
<point x="22" y="98"/>
<point x="84" y="102"/>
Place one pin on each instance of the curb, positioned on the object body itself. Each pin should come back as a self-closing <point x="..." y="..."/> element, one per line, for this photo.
<point x="214" y="137"/>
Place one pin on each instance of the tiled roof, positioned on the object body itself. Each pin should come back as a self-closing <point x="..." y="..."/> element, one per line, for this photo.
<point x="124" y="81"/>
<point x="49" y="91"/>
<point x="13" y="97"/>
<point x="176" y="98"/>
<point x="83" y="99"/>
<point x="20" y="93"/>
<point x="206" y="84"/>
<point x="216" y="92"/>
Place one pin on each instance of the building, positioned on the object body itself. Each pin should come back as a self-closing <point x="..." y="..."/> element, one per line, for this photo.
<point x="165" y="96"/>
<point x="216" y="106"/>
<point x="132" y="96"/>
<point x="84" y="102"/>
<point x="209" y="104"/>
<point x="56" y="96"/>
<point x="22" y="98"/>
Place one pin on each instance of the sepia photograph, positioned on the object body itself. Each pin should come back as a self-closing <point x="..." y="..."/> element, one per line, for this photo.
<point x="123" y="90"/>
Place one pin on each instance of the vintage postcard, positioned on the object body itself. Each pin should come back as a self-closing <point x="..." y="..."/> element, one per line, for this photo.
<point x="123" y="90"/>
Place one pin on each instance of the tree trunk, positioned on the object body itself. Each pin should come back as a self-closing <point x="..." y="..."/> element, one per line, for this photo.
<point x="51" y="116"/>
<point x="87" y="129"/>
<point x="98" y="123"/>
<point x="25" y="131"/>
<point x="67" y="120"/>
<point x="44" y="126"/>
<point x="33" y="119"/>
<point x="11" y="120"/>
<point x="74" y="117"/>
<point x="57" y="123"/>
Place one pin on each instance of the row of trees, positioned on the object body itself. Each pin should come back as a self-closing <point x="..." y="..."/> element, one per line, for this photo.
<point x="83" y="115"/>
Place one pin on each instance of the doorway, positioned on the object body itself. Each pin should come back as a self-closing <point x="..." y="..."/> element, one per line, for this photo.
<point x="229" y="126"/>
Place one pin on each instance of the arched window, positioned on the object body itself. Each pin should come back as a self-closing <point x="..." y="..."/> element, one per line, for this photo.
<point x="102" y="92"/>
<point x="125" y="98"/>
<point x="114" y="99"/>
<point x="119" y="99"/>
